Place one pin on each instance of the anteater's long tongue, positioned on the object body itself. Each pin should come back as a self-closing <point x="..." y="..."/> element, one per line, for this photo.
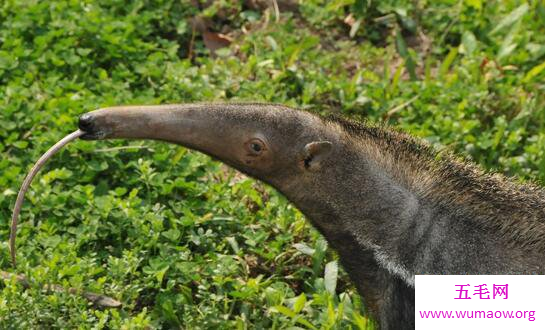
<point x="26" y="184"/>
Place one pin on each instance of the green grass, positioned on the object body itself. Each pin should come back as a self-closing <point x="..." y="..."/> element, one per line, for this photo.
<point x="185" y="242"/>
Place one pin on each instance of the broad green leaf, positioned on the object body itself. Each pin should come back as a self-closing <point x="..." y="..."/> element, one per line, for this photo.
<point x="534" y="72"/>
<point x="331" y="315"/>
<point x="355" y="27"/>
<point x="510" y="42"/>
<point x="303" y="248"/>
<point x="445" y="66"/>
<point x="360" y="321"/>
<point x="299" y="303"/>
<point x="330" y="276"/>
<point x="469" y="43"/>
<point x="511" y="18"/>
<point x="396" y="79"/>
<point x="318" y="256"/>
<point x="172" y="234"/>
<point x="403" y="51"/>
<point x="233" y="243"/>
<point x="305" y="323"/>
<point x="284" y="310"/>
<point x="161" y="274"/>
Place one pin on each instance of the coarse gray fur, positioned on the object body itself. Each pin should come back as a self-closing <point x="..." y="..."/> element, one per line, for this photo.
<point x="388" y="203"/>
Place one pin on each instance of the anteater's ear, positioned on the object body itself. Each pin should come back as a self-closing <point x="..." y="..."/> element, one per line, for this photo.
<point x="314" y="154"/>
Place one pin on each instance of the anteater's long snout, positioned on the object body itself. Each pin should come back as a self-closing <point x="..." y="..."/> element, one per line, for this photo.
<point x="207" y="127"/>
<point x="162" y="122"/>
<point x="130" y="122"/>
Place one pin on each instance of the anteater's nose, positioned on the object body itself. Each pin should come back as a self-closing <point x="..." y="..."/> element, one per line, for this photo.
<point x="86" y="122"/>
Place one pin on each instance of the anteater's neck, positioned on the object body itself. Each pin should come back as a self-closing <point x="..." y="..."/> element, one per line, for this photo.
<point x="419" y="214"/>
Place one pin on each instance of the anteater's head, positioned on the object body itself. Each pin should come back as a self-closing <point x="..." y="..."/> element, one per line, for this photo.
<point x="286" y="148"/>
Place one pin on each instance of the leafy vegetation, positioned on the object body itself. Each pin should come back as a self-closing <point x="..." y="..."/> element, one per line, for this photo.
<point x="185" y="242"/>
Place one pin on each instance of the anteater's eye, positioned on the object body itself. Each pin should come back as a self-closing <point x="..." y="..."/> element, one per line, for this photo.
<point x="255" y="146"/>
